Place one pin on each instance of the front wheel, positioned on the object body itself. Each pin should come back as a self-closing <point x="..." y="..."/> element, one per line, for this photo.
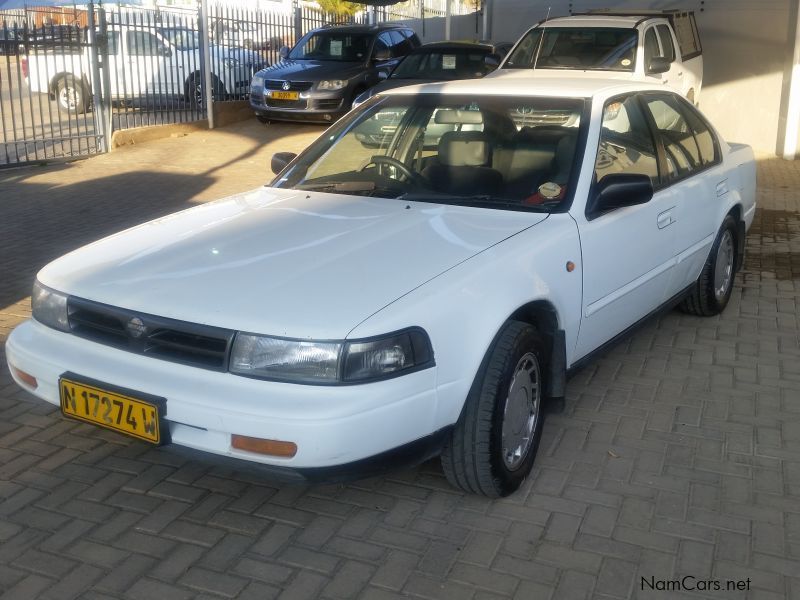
<point x="71" y="95"/>
<point x="196" y="95"/>
<point x="713" y="289"/>
<point x="493" y="445"/>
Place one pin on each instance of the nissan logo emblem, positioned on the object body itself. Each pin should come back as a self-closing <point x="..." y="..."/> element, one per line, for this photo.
<point x="136" y="327"/>
<point x="286" y="85"/>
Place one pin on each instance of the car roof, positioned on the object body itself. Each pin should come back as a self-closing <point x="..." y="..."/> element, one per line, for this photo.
<point x="530" y="86"/>
<point x="359" y="28"/>
<point x="454" y="46"/>
<point x="617" y="21"/>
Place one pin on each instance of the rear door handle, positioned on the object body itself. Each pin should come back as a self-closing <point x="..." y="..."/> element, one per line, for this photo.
<point x="665" y="219"/>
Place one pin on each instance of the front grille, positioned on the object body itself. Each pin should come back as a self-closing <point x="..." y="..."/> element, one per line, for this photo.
<point x="275" y="103"/>
<point x="159" y="337"/>
<point x="294" y="86"/>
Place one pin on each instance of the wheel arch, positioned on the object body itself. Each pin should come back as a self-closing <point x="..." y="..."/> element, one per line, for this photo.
<point x="543" y="315"/>
<point x="737" y="213"/>
<point x="52" y="87"/>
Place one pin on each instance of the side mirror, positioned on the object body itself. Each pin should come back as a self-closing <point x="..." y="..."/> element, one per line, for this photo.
<point x="618" y="190"/>
<point x="492" y="60"/>
<point x="284" y="52"/>
<point x="383" y="75"/>
<point x="382" y="55"/>
<point x="658" y="64"/>
<point x="280" y="160"/>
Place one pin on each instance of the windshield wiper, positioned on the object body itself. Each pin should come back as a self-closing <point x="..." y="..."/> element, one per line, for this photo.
<point x="483" y="200"/>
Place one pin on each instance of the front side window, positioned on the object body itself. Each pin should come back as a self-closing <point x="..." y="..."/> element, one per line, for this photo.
<point x="143" y="43"/>
<point x="666" y="42"/>
<point x="594" y="48"/>
<point x="182" y="39"/>
<point x="443" y="65"/>
<point x="682" y="152"/>
<point x="332" y="46"/>
<point x="651" y="48"/>
<point x="626" y="144"/>
<point x="499" y="152"/>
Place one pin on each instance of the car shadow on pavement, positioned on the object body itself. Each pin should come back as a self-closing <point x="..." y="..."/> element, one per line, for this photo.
<point x="40" y="222"/>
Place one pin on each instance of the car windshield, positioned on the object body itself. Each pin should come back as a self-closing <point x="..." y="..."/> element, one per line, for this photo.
<point x="443" y="64"/>
<point x="182" y="39"/>
<point x="498" y="152"/>
<point x="583" y="48"/>
<point x="333" y="45"/>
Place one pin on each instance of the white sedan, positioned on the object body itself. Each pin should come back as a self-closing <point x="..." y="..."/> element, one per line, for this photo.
<point x="388" y="300"/>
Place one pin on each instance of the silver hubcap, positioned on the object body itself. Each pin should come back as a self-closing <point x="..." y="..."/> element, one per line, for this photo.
<point x="68" y="97"/>
<point x="723" y="268"/>
<point x="521" y="413"/>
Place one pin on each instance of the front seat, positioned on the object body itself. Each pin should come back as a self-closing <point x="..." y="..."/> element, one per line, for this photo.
<point x="461" y="167"/>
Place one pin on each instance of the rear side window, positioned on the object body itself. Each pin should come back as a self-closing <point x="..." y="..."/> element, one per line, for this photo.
<point x="400" y="44"/>
<point x="626" y="143"/>
<point x="412" y="38"/>
<point x="682" y="152"/>
<point x="706" y="140"/>
<point x="686" y="31"/>
<point x="668" y="48"/>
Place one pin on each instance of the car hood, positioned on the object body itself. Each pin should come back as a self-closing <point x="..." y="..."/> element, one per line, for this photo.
<point x="312" y="70"/>
<point x="390" y="84"/>
<point x="240" y="54"/>
<point x="543" y="73"/>
<point x="281" y="262"/>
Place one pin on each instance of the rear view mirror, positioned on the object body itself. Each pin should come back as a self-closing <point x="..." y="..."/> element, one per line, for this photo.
<point x="383" y="75"/>
<point x="280" y="160"/>
<point x="658" y="64"/>
<point x="492" y="60"/>
<point x="618" y="190"/>
<point x="284" y="52"/>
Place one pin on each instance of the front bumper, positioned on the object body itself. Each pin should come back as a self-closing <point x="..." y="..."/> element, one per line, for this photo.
<point x="335" y="427"/>
<point x="311" y="106"/>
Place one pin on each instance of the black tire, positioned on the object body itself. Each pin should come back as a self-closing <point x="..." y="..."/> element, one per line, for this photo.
<point x="194" y="90"/>
<point x="706" y="299"/>
<point x="262" y="119"/>
<point x="474" y="458"/>
<point x="71" y="95"/>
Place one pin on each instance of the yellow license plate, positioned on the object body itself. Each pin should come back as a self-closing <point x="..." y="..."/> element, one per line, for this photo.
<point x="113" y="410"/>
<point x="284" y="95"/>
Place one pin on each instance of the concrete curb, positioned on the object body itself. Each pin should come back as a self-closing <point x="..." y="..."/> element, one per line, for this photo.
<point x="225" y="113"/>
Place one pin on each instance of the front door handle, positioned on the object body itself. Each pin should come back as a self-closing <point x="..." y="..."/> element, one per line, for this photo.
<point x="665" y="219"/>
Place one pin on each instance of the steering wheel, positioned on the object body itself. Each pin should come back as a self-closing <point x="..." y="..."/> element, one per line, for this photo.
<point x="380" y="159"/>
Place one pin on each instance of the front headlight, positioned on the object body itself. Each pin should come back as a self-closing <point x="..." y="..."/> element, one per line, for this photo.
<point x="49" y="307"/>
<point x="331" y="84"/>
<point x="291" y="360"/>
<point x="258" y="81"/>
<point x="230" y="62"/>
<point x="305" y="361"/>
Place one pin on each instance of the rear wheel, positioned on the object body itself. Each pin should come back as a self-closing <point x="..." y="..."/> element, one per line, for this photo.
<point x="71" y="95"/>
<point x="713" y="289"/>
<point x="493" y="445"/>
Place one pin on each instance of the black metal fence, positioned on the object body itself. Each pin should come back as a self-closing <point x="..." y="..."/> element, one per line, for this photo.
<point x="71" y="76"/>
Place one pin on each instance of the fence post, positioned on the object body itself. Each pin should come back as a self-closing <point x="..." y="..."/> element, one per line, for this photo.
<point x="208" y="87"/>
<point x="298" y="20"/>
<point x="447" y="19"/>
<point x="103" y="43"/>
<point x="100" y="122"/>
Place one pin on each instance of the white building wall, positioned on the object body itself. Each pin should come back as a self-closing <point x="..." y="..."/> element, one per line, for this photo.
<point x="746" y="45"/>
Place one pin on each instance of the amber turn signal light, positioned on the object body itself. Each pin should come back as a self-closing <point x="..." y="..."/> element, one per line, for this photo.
<point x="26" y="378"/>
<point x="260" y="446"/>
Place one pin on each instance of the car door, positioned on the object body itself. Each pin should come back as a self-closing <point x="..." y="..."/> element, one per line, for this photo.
<point x="146" y="53"/>
<point x="674" y="78"/>
<point x="694" y="177"/>
<point x="627" y="253"/>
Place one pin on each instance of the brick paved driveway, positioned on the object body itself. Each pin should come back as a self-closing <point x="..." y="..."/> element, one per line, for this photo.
<point x="678" y="453"/>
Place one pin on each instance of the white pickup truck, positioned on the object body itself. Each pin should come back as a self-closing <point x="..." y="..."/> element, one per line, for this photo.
<point x="652" y="47"/>
<point x="143" y="62"/>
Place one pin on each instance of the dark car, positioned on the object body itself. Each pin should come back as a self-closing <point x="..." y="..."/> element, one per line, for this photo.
<point x="438" y="61"/>
<point x="10" y="40"/>
<point x="319" y="78"/>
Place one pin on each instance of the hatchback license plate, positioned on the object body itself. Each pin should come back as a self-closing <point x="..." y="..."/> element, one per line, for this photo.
<point x="113" y="410"/>
<point x="284" y="95"/>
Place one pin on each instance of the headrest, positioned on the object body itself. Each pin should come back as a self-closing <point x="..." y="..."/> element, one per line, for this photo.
<point x="463" y="149"/>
